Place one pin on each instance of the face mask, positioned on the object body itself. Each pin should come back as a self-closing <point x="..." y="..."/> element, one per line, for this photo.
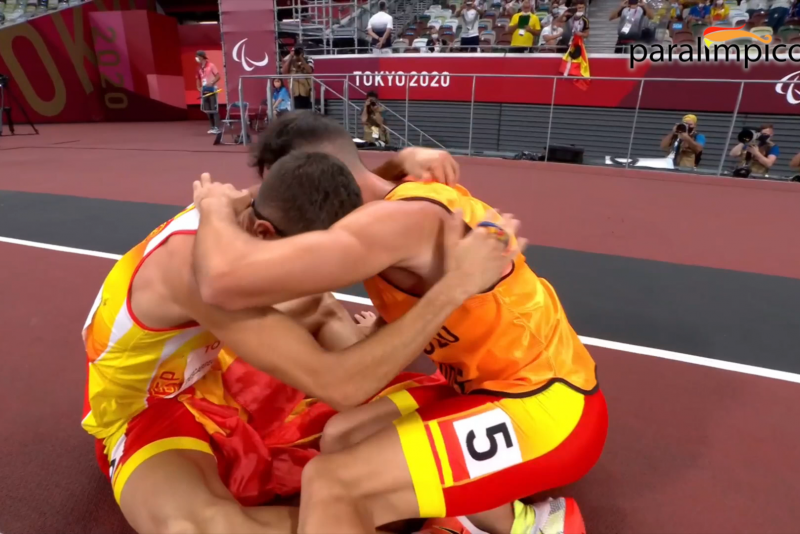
<point x="579" y="13"/>
<point x="197" y="59"/>
<point x="764" y="137"/>
<point x="720" y="2"/>
<point x="435" y="36"/>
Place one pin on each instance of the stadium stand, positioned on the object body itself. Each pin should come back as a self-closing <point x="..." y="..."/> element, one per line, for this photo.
<point x="13" y="11"/>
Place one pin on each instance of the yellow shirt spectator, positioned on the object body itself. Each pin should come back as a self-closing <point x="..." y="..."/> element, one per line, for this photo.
<point x="720" y="12"/>
<point x="526" y="39"/>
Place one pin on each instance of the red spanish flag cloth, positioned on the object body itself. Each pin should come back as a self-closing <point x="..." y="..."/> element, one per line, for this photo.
<point x="576" y="63"/>
<point x="263" y="432"/>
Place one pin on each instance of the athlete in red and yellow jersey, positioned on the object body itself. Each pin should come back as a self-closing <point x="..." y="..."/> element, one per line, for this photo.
<point x="152" y="342"/>
<point x="525" y="413"/>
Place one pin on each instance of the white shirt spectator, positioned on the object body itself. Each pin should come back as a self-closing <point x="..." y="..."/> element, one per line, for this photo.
<point x="380" y="22"/>
<point x="548" y="31"/>
<point x="470" y="18"/>
<point x="379" y="25"/>
<point x="757" y="4"/>
<point x="781" y="3"/>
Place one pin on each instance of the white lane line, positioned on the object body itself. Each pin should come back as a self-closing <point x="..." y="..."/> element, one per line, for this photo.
<point x="591" y="341"/>
<point x="58" y="248"/>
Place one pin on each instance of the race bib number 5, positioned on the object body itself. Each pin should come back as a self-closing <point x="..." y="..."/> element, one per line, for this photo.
<point x="488" y="442"/>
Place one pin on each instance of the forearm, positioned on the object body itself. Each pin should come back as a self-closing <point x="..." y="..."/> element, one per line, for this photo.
<point x="360" y="371"/>
<point x="392" y="170"/>
<point x="737" y="150"/>
<point x="695" y="146"/>
<point x="666" y="142"/>
<point x="219" y="245"/>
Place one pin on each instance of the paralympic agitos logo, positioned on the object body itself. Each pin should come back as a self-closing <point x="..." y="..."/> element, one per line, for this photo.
<point x="718" y="44"/>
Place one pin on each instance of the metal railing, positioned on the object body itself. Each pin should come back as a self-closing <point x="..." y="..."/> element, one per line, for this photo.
<point x="325" y="80"/>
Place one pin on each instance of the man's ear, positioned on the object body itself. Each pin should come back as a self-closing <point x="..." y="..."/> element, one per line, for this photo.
<point x="264" y="230"/>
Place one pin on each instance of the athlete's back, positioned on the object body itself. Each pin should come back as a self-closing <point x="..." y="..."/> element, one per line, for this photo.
<point x="514" y="338"/>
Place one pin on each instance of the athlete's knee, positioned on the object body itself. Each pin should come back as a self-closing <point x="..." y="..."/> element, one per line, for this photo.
<point x="322" y="478"/>
<point x="336" y="435"/>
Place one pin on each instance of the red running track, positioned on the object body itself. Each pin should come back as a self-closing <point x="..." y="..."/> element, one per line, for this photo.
<point x="690" y="450"/>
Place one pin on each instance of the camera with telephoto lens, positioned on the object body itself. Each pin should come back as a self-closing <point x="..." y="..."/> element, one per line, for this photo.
<point x="681" y="127"/>
<point x="748" y="138"/>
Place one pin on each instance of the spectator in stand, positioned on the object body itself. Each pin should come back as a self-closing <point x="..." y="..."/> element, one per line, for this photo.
<point x="434" y="44"/>
<point x="281" y="101"/>
<point x="632" y="27"/>
<point x="720" y="11"/>
<point x="794" y="11"/>
<point x="525" y="27"/>
<point x="778" y="13"/>
<point x="207" y="78"/>
<point x="297" y="63"/>
<point x="551" y="33"/>
<point x="509" y="8"/>
<point x="758" y="155"/>
<point x="375" y="130"/>
<point x="379" y="28"/>
<point x="756" y="6"/>
<point x="684" y="143"/>
<point x="558" y="8"/>
<point x="675" y="11"/>
<point x="576" y="22"/>
<point x="699" y="13"/>
<point x="470" y="14"/>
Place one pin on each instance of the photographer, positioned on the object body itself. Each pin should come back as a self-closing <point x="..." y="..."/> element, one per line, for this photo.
<point x="297" y="63"/>
<point x="756" y="152"/>
<point x="375" y="130"/>
<point x="684" y="143"/>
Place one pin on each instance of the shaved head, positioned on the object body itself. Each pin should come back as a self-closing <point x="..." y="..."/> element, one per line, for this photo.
<point x="304" y="130"/>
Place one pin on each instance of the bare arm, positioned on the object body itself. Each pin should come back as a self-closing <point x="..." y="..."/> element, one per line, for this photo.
<point x="283" y="348"/>
<point x="667" y="140"/>
<point x="766" y="161"/>
<point x="424" y="164"/>
<point x="795" y="163"/>
<point x="737" y="150"/>
<point x="236" y="271"/>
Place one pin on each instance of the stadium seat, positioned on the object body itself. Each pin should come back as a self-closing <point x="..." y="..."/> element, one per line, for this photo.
<point x="698" y="28"/>
<point x="420" y="42"/>
<point x="451" y="23"/>
<point x="787" y="33"/>
<point x="762" y="31"/>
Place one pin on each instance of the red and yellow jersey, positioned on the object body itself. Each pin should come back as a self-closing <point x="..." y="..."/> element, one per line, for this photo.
<point x="514" y="339"/>
<point x="129" y="363"/>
